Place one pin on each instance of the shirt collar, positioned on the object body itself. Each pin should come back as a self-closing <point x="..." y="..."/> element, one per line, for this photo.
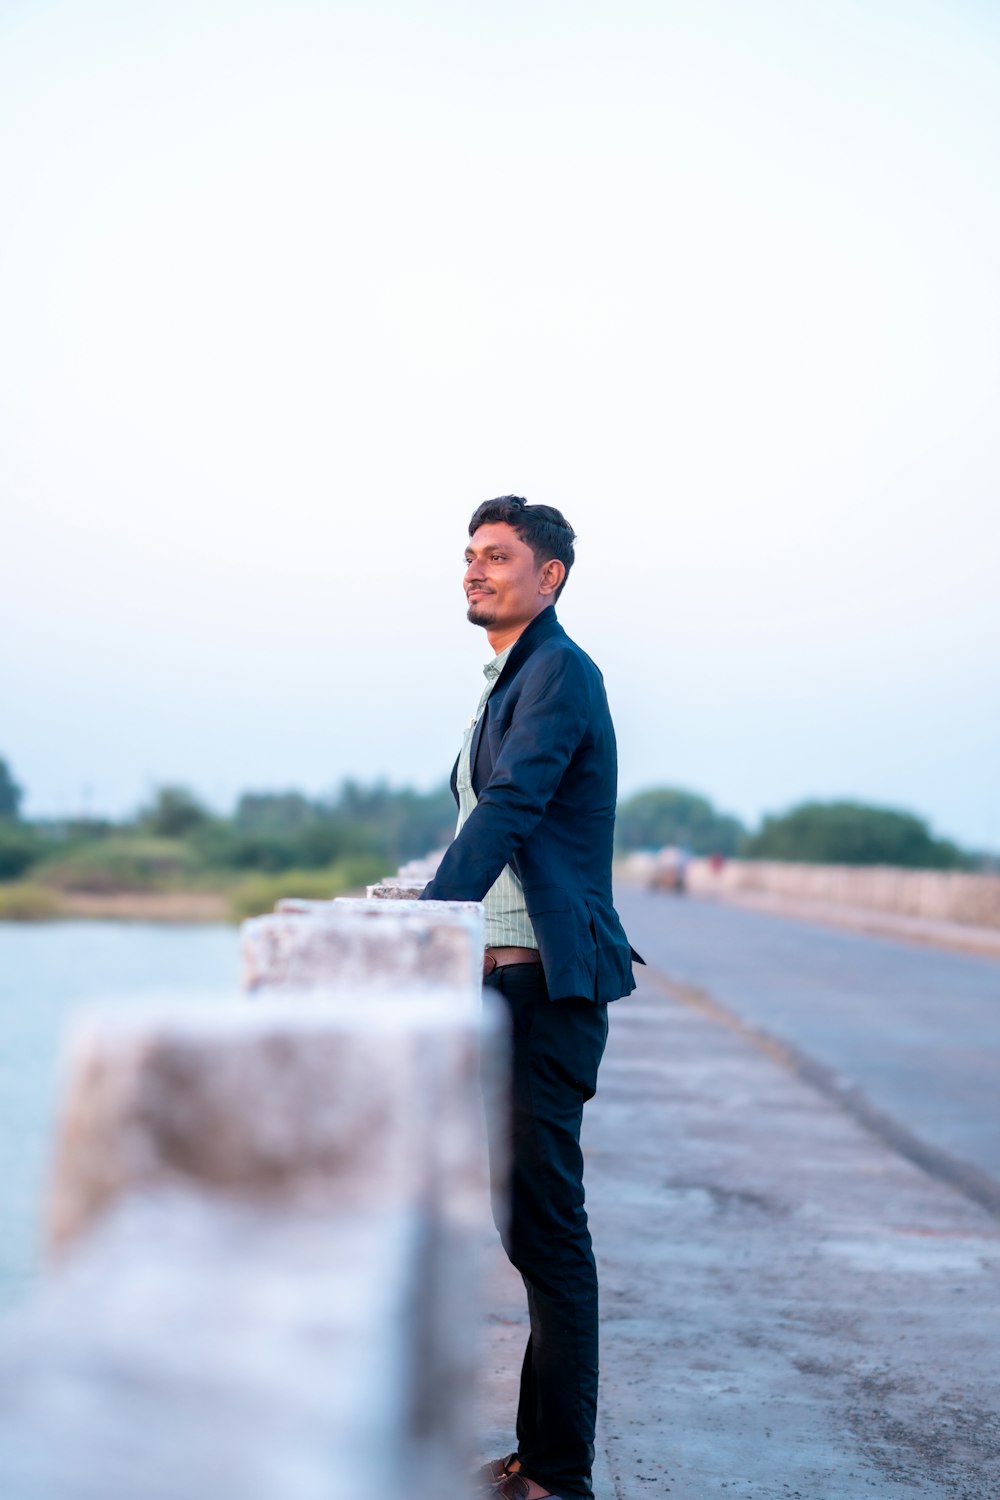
<point x="493" y="668"/>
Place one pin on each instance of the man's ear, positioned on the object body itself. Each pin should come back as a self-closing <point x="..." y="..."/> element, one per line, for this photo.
<point x="553" y="573"/>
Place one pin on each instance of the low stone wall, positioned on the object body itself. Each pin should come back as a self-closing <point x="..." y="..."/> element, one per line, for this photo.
<point x="351" y="946"/>
<point x="934" y="895"/>
<point x="265" y="1218"/>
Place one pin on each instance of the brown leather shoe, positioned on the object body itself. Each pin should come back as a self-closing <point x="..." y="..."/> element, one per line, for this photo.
<point x="510" y="1487"/>
<point x="491" y="1473"/>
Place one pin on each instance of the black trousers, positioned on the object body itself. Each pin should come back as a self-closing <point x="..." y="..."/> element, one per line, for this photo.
<point x="557" y="1048"/>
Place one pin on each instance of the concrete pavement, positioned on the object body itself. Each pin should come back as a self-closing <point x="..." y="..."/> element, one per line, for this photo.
<point x="908" y="1037"/>
<point x="790" y="1306"/>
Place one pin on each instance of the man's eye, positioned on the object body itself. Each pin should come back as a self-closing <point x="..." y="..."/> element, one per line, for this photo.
<point x="497" y="557"/>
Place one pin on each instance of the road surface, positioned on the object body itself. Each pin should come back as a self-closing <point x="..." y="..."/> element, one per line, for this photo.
<point x="793" y="1308"/>
<point x="909" y="1034"/>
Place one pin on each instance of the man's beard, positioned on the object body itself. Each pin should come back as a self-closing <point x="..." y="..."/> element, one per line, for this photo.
<point x="480" y="614"/>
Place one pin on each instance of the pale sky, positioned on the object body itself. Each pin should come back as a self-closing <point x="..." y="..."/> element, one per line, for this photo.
<point x="287" y="289"/>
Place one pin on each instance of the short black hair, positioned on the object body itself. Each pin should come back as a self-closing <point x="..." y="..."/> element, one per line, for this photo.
<point x="541" y="527"/>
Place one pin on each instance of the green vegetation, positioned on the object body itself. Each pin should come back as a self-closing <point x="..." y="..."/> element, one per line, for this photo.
<point x="20" y="848"/>
<point x="10" y="794"/>
<point x="286" y="844"/>
<point x="23" y="901"/>
<point x="823" y="833"/>
<point x="274" y="844"/>
<point x="253" y="897"/>
<point x="851" y="833"/>
<point x="125" y="861"/>
<point x="666" y="815"/>
<point x="173" y="812"/>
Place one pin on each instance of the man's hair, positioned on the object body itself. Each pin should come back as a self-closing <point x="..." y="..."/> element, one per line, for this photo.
<point x="541" y="527"/>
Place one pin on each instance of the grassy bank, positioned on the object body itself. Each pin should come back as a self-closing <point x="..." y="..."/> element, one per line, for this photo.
<point x="176" y="862"/>
<point x="26" y="901"/>
<point x="228" y="901"/>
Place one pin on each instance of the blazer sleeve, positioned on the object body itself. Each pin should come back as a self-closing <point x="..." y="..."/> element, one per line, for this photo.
<point x="549" y="722"/>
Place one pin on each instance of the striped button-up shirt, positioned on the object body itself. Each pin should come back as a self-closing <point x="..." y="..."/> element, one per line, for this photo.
<point x="507" y="922"/>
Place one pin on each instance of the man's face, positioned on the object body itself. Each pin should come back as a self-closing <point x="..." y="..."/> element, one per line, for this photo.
<point x="504" y="585"/>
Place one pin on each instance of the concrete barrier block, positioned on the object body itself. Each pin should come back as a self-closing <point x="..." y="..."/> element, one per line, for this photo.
<point x="352" y="947"/>
<point x="275" y="1213"/>
<point x="304" y="904"/>
<point x="206" y="1348"/>
<point x="286" y="1103"/>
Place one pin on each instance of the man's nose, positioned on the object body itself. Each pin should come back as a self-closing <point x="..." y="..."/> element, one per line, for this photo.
<point x="474" y="571"/>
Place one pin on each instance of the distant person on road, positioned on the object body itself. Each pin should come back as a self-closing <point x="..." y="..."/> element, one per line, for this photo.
<point x="536" y="785"/>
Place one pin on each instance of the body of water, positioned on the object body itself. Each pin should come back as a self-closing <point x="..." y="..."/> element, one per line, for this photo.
<point x="48" y="971"/>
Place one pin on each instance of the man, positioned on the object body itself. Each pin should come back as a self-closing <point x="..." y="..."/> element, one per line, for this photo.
<point x="536" y="784"/>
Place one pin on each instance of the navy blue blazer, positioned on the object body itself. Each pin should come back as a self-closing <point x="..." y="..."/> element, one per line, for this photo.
<point x="545" y="773"/>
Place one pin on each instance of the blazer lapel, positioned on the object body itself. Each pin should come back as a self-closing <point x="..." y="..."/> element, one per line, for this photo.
<point x="540" y="628"/>
<point x="477" y="735"/>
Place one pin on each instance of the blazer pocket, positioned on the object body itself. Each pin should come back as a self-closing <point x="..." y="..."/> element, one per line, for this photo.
<point x="546" y="898"/>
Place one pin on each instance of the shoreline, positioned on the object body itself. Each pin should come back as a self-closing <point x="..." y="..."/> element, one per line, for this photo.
<point x="149" y="906"/>
<point x="123" y="906"/>
<point x="28" y="902"/>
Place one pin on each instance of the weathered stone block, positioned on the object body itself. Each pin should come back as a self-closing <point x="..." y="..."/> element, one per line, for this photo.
<point x="276" y="1213"/>
<point x="201" y="1347"/>
<point x="396" y="890"/>
<point x="284" y="1103"/>
<point x="352" y="946"/>
<point x="304" y="904"/>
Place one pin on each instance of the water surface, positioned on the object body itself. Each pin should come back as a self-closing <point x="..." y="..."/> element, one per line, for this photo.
<point x="48" y="971"/>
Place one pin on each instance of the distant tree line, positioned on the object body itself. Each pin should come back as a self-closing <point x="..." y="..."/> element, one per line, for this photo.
<point x="667" y="815"/>
<point x="10" y="794"/>
<point x="275" y="831"/>
<point x="826" y="833"/>
<point x="18" y="847"/>
<point x="363" y="831"/>
<point x="176" y="840"/>
<point x="851" y="833"/>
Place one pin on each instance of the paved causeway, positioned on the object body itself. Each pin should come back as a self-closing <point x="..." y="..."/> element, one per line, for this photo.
<point x="792" y="1161"/>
